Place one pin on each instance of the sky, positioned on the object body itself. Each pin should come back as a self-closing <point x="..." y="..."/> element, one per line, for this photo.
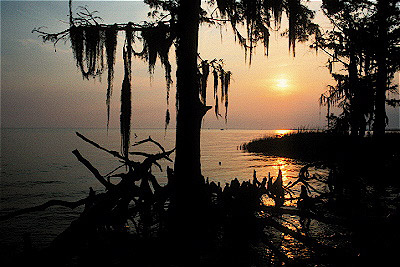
<point x="41" y="86"/>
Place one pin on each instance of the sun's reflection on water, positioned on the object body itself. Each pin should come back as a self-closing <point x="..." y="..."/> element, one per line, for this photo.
<point x="282" y="132"/>
<point x="287" y="244"/>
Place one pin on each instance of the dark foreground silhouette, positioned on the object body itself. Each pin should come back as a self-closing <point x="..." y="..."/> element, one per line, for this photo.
<point x="138" y="222"/>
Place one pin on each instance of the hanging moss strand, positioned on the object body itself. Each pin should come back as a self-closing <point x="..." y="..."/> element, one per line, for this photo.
<point x="111" y="48"/>
<point x="76" y="36"/>
<point x="217" y="107"/>
<point x="87" y="44"/>
<point x="126" y="101"/>
<point x="226" y="89"/>
<point x="157" y="41"/>
<point x="205" y="67"/>
<point x="167" y="119"/>
<point x="93" y="46"/>
<point x="215" y="74"/>
<point x="222" y="78"/>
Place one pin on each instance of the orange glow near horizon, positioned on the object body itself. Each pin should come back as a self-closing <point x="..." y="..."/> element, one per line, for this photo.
<point x="277" y="91"/>
<point x="282" y="132"/>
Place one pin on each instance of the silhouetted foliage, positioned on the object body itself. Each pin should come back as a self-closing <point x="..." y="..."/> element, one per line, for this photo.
<point x="178" y="25"/>
<point x="238" y="225"/>
<point x="111" y="35"/>
<point x="157" y="41"/>
<point x="88" y="38"/>
<point x="261" y="16"/>
<point x="364" y="41"/>
<point x="126" y="103"/>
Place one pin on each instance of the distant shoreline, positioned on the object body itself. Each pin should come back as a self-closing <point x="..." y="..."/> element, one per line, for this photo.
<point x="174" y="128"/>
<point x="114" y="128"/>
<point x="372" y="157"/>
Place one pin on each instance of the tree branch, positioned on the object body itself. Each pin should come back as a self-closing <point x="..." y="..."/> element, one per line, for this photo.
<point x="92" y="169"/>
<point x="54" y="202"/>
<point x="114" y="153"/>
<point x="152" y="141"/>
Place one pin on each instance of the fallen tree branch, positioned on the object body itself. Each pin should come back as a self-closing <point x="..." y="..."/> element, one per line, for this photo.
<point x="331" y="252"/>
<point x="92" y="169"/>
<point x="152" y="141"/>
<point x="278" y="253"/>
<point x="153" y="158"/>
<point x="112" y="152"/>
<point x="306" y="214"/>
<point x="54" y="202"/>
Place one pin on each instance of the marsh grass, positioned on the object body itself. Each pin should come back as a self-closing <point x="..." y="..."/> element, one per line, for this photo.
<point x="369" y="155"/>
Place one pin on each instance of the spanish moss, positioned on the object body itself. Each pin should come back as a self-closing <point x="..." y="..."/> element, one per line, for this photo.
<point x="76" y="35"/>
<point x="111" y="48"/>
<point x="293" y="13"/>
<point x="222" y="79"/>
<point x="167" y="119"/>
<point x="205" y="68"/>
<point x="215" y="74"/>
<point x="87" y="44"/>
<point x="227" y="81"/>
<point x="217" y="107"/>
<point x="261" y="16"/>
<point x="157" y="41"/>
<point x="300" y="25"/>
<point x="94" y="50"/>
<point x="126" y="101"/>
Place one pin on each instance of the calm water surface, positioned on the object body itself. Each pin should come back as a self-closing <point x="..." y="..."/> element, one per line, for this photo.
<point x="37" y="165"/>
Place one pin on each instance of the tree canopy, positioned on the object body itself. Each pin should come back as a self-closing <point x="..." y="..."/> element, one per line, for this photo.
<point x="364" y="41"/>
<point x="94" y="44"/>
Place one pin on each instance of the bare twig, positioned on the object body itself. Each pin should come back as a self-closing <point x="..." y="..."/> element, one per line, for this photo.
<point x="150" y="140"/>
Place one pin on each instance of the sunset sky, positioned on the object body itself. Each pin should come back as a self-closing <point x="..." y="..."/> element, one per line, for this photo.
<point x="41" y="87"/>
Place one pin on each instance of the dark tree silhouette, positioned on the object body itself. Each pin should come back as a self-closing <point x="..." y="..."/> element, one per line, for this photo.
<point x="364" y="40"/>
<point x="344" y="44"/>
<point x="180" y="26"/>
<point x="189" y="228"/>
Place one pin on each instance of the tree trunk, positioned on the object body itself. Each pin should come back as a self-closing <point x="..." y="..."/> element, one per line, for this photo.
<point x="355" y="106"/>
<point x="381" y="80"/>
<point x="187" y="208"/>
<point x="189" y="111"/>
<point x="187" y="202"/>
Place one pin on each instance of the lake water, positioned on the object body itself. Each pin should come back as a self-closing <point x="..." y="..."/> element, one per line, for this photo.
<point x="37" y="165"/>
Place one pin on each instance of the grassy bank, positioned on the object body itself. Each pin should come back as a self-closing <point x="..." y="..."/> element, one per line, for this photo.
<point x="370" y="156"/>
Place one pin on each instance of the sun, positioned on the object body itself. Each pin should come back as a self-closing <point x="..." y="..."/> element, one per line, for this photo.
<point x="282" y="83"/>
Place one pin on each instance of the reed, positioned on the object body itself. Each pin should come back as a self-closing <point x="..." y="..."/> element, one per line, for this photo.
<point x="368" y="156"/>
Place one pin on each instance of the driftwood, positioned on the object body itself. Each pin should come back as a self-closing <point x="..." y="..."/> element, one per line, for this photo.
<point x="304" y="177"/>
<point x="118" y="196"/>
<point x="42" y="207"/>
<point x="92" y="169"/>
<point x="331" y="253"/>
<point x="297" y="235"/>
<point x="302" y="214"/>
<point x="277" y="252"/>
<point x="112" y="152"/>
<point x="121" y="202"/>
<point x="139" y="197"/>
